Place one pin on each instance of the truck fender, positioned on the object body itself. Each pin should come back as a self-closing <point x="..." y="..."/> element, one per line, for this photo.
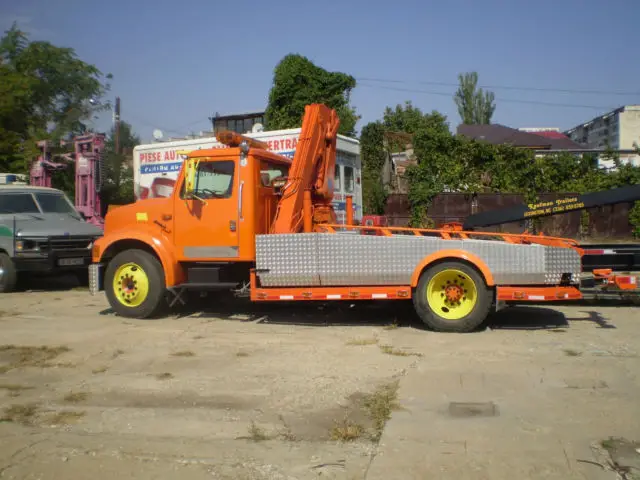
<point x="172" y="272"/>
<point x="453" y="254"/>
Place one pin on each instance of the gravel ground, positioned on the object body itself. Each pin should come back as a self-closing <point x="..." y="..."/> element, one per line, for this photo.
<point x="241" y="391"/>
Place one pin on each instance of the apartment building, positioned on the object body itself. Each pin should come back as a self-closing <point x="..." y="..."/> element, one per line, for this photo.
<point x="618" y="129"/>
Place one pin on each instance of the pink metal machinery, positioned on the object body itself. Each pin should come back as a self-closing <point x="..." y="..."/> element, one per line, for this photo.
<point x="87" y="156"/>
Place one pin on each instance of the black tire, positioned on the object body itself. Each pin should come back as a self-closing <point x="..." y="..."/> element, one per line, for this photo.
<point x="8" y="274"/>
<point x="151" y="266"/>
<point x="468" y="323"/>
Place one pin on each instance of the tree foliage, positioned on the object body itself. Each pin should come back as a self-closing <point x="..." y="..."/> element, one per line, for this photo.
<point x="379" y="138"/>
<point x="475" y="106"/>
<point x="118" y="189"/>
<point x="449" y="162"/>
<point x="46" y="92"/>
<point x="297" y="82"/>
<point x="373" y="158"/>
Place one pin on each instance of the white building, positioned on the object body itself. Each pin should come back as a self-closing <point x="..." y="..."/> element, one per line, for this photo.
<point x="618" y="129"/>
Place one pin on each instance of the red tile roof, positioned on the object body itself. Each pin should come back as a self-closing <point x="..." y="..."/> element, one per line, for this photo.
<point x="499" y="134"/>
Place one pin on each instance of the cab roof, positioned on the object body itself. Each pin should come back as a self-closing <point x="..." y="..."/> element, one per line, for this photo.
<point x="235" y="151"/>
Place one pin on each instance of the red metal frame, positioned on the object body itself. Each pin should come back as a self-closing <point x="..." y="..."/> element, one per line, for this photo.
<point x="87" y="157"/>
<point x="457" y="235"/>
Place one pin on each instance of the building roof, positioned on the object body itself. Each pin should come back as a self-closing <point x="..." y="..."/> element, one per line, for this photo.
<point x="497" y="134"/>
<point x="632" y="107"/>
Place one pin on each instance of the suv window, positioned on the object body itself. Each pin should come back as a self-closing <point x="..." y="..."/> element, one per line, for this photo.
<point x="17" y="203"/>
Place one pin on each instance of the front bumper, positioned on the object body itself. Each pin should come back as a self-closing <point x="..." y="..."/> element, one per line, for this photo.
<point x="52" y="254"/>
<point x="51" y="262"/>
<point x="95" y="278"/>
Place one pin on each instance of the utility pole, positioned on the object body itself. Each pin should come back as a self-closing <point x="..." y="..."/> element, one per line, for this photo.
<point x="117" y="119"/>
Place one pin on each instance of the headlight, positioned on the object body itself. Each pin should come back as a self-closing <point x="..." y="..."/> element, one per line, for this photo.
<point x="27" y="246"/>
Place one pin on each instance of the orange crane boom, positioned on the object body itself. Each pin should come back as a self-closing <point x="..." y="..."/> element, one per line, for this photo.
<point x="312" y="170"/>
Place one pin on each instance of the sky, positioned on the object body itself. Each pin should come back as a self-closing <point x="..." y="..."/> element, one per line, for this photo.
<point x="176" y="63"/>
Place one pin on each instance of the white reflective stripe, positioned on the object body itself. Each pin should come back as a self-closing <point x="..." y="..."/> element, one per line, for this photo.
<point x="609" y="252"/>
<point x="379" y="295"/>
<point x="334" y="297"/>
<point x="536" y="297"/>
<point x="286" y="297"/>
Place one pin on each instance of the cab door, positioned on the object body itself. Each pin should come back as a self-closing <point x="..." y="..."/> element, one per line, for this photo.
<point x="206" y="222"/>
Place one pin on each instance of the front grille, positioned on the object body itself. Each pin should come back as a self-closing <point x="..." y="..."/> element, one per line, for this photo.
<point x="57" y="244"/>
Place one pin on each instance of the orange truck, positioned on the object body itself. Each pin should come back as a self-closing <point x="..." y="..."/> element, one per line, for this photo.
<point x="247" y="220"/>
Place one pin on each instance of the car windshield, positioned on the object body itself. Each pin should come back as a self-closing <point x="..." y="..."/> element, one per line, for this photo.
<point x="55" y="203"/>
<point x="12" y="203"/>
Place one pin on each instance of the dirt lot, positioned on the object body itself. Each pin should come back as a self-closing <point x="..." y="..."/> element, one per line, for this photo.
<point x="245" y="392"/>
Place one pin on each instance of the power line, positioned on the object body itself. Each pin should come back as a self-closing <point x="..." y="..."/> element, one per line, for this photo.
<point x="507" y="87"/>
<point x="506" y="100"/>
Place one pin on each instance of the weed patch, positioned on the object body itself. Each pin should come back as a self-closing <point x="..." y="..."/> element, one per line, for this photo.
<point x="99" y="370"/>
<point x="391" y="326"/>
<point x="286" y="433"/>
<point x="242" y="354"/>
<point x="76" y="397"/>
<point x="389" y="350"/>
<point x="10" y="387"/>
<point x="66" y="417"/>
<point x="117" y="353"/>
<point x="183" y="353"/>
<point x="363" y="341"/>
<point x="256" y="434"/>
<point x="22" y="414"/>
<point x="164" y="376"/>
<point x="15" y="356"/>
<point x="346" y="431"/>
<point x="379" y="406"/>
<point x="572" y="353"/>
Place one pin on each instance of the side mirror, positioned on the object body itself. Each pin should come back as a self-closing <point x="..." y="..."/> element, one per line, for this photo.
<point x="190" y="165"/>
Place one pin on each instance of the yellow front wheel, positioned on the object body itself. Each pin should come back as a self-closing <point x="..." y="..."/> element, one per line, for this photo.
<point x="130" y="284"/>
<point x="135" y="284"/>
<point x="452" y="297"/>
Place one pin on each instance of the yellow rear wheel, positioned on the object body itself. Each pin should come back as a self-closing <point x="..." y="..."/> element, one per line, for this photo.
<point x="452" y="296"/>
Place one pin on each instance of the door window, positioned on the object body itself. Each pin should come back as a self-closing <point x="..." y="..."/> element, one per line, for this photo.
<point x="214" y="179"/>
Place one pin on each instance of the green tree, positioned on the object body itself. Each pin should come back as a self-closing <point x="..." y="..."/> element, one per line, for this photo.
<point x="46" y="92"/>
<point x="373" y="158"/>
<point x="475" y="106"/>
<point x="297" y="82"/>
<point x="118" y="170"/>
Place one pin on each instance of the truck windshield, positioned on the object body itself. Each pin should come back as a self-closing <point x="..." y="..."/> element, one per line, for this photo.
<point x="55" y="203"/>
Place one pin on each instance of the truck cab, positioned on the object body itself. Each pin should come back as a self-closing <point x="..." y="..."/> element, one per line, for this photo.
<point x="202" y="236"/>
<point x="41" y="232"/>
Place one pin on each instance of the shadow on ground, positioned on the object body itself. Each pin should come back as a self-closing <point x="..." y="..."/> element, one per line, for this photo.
<point x="535" y="317"/>
<point x="393" y="314"/>
<point x="50" y="283"/>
